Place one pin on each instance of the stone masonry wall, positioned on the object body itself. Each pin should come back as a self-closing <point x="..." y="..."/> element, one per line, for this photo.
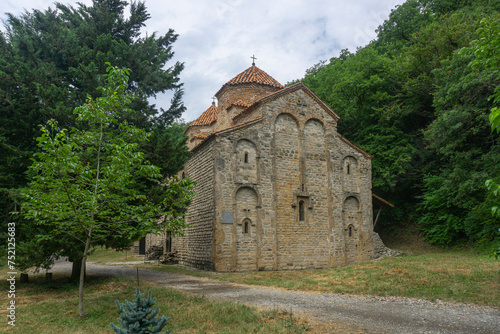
<point x="246" y="93"/>
<point x="194" y="132"/>
<point x="295" y="160"/>
<point x="284" y="192"/>
<point x="351" y="170"/>
<point x="308" y="158"/>
<point x="155" y="240"/>
<point x="195" y="247"/>
<point x="244" y="194"/>
<point x="315" y="175"/>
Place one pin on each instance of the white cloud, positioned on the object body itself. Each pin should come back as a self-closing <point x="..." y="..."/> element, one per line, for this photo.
<point x="218" y="37"/>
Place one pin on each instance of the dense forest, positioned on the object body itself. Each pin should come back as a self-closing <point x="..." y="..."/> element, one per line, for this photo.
<point x="418" y="98"/>
<point x="53" y="61"/>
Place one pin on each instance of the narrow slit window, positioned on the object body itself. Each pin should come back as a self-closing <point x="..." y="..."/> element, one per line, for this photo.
<point x="348" y="168"/>
<point x="245" y="228"/>
<point x="350" y="231"/>
<point x="246" y="158"/>
<point x="302" y="214"/>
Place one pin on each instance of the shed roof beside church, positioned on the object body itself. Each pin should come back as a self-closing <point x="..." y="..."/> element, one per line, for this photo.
<point x="208" y="117"/>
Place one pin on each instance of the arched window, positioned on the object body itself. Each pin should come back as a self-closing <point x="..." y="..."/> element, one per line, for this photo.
<point x="302" y="214"/>
<point x="350" y="230"/>
<point x="348" y="168"/>
<point x="246" y="158"/>
<point x="245" y="227"/>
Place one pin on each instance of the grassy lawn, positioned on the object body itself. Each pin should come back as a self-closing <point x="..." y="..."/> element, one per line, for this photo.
<point x="458" y="276"/>
<point x="102" y="256"/>
<point x="52" y="308"/>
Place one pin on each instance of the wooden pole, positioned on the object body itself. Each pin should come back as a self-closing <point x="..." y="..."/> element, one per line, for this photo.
<point x="376" y="219"/>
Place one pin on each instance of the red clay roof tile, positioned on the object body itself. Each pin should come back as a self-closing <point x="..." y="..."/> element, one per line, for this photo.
<point x="253" y="74"/>
<point x="208" y="117"/>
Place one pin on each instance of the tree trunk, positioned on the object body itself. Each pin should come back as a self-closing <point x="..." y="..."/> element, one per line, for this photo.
<point x="82" y="275"/>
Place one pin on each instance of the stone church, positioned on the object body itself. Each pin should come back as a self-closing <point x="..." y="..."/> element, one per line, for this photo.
<point x="278" y="187"/>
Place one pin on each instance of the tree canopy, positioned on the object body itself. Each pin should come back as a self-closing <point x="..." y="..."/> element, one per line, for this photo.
<point x="51" y="60"/>
<point x="87" y="185"/>
<point x="412" y="99"/>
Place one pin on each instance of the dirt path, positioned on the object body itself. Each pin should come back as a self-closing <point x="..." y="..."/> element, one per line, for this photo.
<point x="344" y="313"/>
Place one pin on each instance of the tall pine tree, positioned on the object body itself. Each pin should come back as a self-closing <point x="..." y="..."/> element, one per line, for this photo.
<point x="51" y="60"/>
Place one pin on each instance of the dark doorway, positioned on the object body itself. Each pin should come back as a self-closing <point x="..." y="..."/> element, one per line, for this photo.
<point x="168" y="242"/>
<point x="142" y="246"/>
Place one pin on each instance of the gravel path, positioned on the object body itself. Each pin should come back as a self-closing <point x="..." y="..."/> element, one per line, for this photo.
<point x="346" y="313"/>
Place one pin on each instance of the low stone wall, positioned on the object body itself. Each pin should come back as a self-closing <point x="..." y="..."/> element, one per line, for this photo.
<point x="381" y="250"/>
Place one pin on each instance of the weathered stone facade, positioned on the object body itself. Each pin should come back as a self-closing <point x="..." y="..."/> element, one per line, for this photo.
<point x="278" y="187"/>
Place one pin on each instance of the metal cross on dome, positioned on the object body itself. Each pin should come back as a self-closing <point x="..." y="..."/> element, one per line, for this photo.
<point x="253" y="62"/>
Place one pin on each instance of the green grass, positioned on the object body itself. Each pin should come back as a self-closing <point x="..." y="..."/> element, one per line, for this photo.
<point x="459" y="276"/>
<point x="52" y="308"/>
<point x="102" y="256"/>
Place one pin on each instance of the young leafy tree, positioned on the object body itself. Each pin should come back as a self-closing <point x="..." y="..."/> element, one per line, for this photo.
<point x="87" y="183"/>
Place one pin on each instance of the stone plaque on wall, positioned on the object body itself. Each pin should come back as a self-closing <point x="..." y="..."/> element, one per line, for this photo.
<point x="227" y="217"/>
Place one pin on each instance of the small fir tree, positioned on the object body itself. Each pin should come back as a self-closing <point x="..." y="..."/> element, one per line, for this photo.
<point x="138" y="317"/>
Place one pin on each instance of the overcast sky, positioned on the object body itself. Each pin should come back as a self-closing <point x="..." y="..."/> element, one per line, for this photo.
<point x="218" y="37"/>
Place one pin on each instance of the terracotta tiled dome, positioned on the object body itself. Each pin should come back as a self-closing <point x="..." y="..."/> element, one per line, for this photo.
<point x="253" y="74"/>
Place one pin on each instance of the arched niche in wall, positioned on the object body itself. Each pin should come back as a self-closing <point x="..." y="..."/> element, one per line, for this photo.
<point x="247" y="167"/>
<point x="314" y="140"/>
<point x="315" y="166"/>
<point x="286" y="150"/>
<point x="350" y="174"/>
<point x="352" y="222"/>
<point x="245" y="232"/>
<point x="286" y="137"/>
<point x="286" y="124"/>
